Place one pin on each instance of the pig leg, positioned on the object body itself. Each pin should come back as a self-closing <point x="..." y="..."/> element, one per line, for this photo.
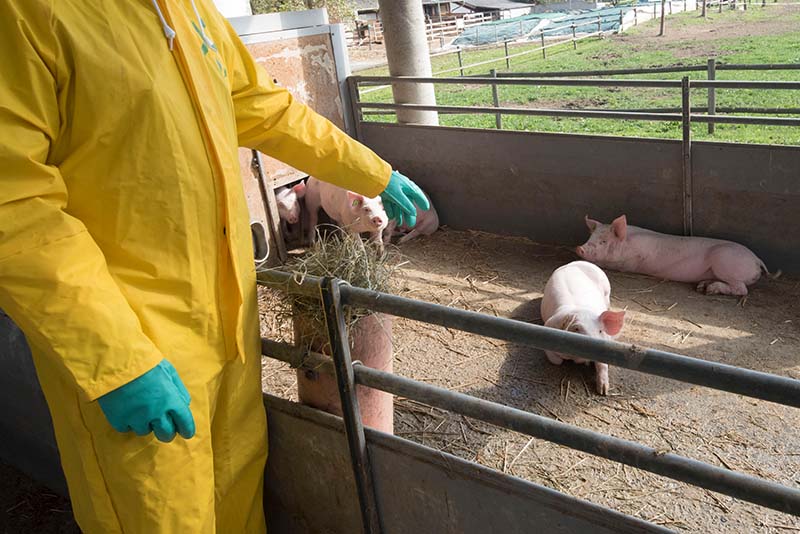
<point x="733" y="267"/>
<point x="377" y="238"/>
<point x="554" y="358"/>
<point x="601" y="375"/>
<point x="411" y="235"/>
<point x="718" y="287"/>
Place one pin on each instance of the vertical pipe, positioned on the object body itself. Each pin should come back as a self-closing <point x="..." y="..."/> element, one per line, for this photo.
<point x="635" y="16"/>
<point x="498" y="118"/>
<point x="687" y="156"/>
<point x="508" y="59"/>
<point x="574" y="42"/>
<point x="663" y="15"/>
<point x="719" y="4"/>
<point x="460" y="62"/>
<point x="712" y="93"/>
<point x="407" y="54"/>
<point x="359" y="455"/>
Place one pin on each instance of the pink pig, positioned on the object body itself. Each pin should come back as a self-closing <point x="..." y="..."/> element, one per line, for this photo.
<point x="720" y="267"/>
<point x="577" y="299"/>
<point x="356" y="213"/>
<point x="427" y="223"/>
<point x="288" y="200"/>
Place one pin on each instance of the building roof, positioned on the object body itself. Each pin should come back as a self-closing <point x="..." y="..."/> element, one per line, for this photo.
<point x="496" y="4"/>
<point x="372" y="5"/>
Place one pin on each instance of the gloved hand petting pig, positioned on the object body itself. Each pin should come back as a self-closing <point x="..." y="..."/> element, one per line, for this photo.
<point x="399" y="198"/>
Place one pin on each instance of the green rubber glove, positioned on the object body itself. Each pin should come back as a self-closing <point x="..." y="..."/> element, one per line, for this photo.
<point x="155" y="402"/>
<point x="399" y="198"/>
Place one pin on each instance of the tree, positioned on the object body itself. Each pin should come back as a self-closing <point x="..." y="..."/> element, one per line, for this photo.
<point x="338" y="10"/>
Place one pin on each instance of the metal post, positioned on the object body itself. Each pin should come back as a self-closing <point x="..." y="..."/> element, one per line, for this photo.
<point x="712" y="95"/>
<point x="687" y="156"/>
<point x="635" y="17"/>
<point x="703" y="14"/>
<point x="498" y="118"/>
<point x="355" y="111"/>
<point x="621" y="22"/>
<point x="508" y="59"/>
<point x="408" y="54"/>
<point x="544" y="52"/>
<point x="574" y="42"/>
<point x="599" y="25"/>
<point x="460" y="61"/>
<point x="719" y="3"/>
<point x="670" y="7"/>
<point x="359" y="455"/>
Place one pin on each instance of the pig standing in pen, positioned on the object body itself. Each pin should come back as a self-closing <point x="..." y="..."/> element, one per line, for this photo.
<point x="719" y="267"/>
<point x="577" y="299"/>
<point x="355" y="213"/>
<point x="290" y="209"/>
<point x="427" y="223"/>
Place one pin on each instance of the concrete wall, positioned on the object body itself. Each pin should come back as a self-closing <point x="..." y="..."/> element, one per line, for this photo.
<point x="541" y="185"/>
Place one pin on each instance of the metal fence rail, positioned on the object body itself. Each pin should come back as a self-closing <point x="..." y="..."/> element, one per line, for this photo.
<point x="692" y="370"/>
<point x="685" y="118"/>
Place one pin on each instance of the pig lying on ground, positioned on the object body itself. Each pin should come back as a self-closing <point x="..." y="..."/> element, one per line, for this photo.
<point x="290" y="210"/>
<point x="720" y="267"/>
<point x="355" y="213"/>
<point x="427" y="223"/>
<point x="577" y="299"/>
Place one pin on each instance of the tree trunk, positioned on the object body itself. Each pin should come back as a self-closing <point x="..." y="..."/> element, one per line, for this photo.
<point x="704" y="9"/>
<point x="661" y="32"/>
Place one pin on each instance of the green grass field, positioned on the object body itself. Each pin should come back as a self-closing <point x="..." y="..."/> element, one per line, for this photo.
<point x="759" y="35"/>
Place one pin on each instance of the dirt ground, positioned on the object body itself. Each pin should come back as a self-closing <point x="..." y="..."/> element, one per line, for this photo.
<point x="505" y="277"/>
<point x="26" y="506"/>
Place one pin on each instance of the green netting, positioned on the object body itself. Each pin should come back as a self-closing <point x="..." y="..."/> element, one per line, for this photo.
<point x="529" y="27"/>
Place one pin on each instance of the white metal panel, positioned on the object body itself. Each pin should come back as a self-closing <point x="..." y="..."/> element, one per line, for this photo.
<point x="271" y="22"/>
<point x="234" y="8"/>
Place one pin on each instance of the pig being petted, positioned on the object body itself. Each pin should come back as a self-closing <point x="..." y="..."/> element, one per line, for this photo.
<point x="577" y="299"/>
<point x="427" y="223"/>
<point x="719" y="267"/>
<point x="355" y="213"/>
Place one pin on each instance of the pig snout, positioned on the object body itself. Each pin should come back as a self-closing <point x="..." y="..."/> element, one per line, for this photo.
<point x="586" y="251"/>
<point x="377" y="221"/>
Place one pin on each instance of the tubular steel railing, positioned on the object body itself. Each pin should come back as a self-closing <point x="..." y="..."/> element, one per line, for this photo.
<point x="336" y="294"/>
<point x="685" y="116"/>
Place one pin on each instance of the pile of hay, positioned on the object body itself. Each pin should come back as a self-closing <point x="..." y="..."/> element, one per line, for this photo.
<point x="341" y="255"/>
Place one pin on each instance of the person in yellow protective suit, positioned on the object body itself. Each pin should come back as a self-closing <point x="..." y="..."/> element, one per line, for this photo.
<point x="125" y="248"/>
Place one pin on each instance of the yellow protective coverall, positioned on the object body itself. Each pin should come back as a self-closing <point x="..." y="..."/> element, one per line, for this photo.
<point x="124" y="239"/>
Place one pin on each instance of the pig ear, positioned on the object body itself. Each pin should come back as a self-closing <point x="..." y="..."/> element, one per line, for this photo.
<point x="354" y="199"/>
<point x="612" y="321"/>
<point x="300" y="189"/>
<point x="620" y="227"/>
<point x="591" y="223"/>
